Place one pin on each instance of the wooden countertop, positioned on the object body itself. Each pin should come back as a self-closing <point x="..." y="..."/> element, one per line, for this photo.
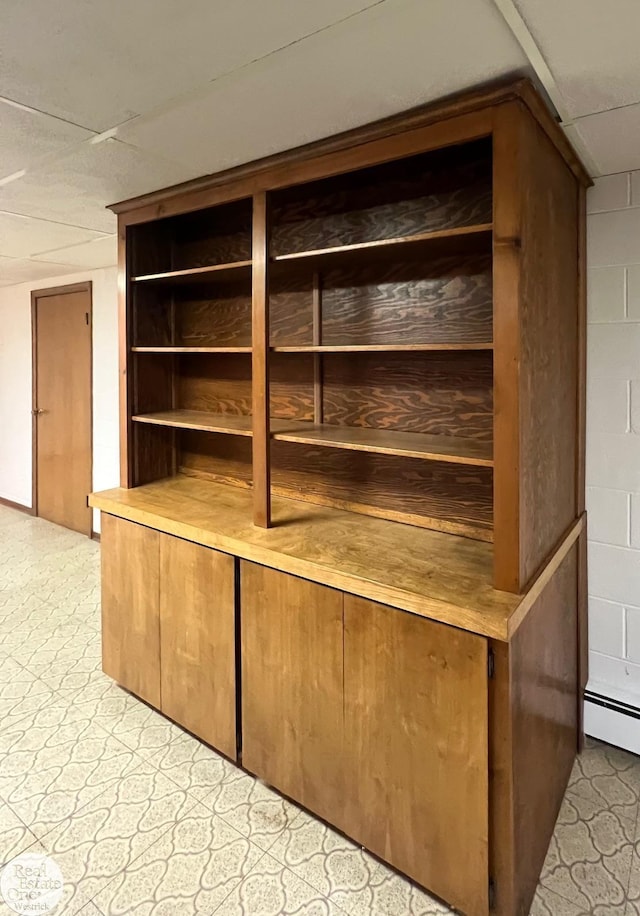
<point x="440" y="576"/>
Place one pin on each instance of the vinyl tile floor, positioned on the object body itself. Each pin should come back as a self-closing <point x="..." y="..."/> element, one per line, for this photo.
<point x="142" y="819"/>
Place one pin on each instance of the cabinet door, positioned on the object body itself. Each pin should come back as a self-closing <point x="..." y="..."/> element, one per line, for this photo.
<point x="292" y="722"/>
<point x="130" y="611"/>
<point x="416" y="754"/>
<point x="197" y="626"/>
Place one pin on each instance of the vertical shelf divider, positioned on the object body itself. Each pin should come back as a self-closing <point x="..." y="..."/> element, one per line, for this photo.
<point x="260" y="364"/>
<point x="317" y="342"/>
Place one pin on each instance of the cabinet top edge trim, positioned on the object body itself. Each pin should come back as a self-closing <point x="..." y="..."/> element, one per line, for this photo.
<point x="185" y="509"/>
<point x="467" y="102"/>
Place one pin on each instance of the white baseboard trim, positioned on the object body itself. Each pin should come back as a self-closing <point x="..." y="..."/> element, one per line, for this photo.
<point x="612" y="721"/>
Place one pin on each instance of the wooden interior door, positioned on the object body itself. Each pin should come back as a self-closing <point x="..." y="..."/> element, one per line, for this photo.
<point x="197" y="640"/>
<point x="292" y="731"/>
<point x="62" y="406"/>
<point x="416" y="749"/>
<point x="130" y="606"/>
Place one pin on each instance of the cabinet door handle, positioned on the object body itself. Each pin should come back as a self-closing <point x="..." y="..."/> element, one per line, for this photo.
<point x="38" y="410"/>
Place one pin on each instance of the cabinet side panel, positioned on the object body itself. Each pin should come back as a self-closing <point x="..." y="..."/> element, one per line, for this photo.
<point x="549" y="343"/>
<point x="534" y="728"/>
<point x="197" y="628"/>
<point x="292" y="674"/>
<point x="130" y="611"/>
<point x="416" y="752"/>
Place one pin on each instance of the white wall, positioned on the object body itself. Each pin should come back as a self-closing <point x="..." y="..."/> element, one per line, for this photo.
<point x="15" y="384"/>
<point x="613" y="436"/>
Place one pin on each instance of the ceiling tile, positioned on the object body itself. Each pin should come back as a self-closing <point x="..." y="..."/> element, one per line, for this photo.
<point x="27" y="135"/>
<point x="390" y="58"/>
<point x="591" y="47"/>
<point x="101" y="252"/>
<point x="21" y="270"/>
<point x="78" y="185"/>
<point x="99" y="63"/>
<point x="597" y="130"/>
<point x="23" y="236"/>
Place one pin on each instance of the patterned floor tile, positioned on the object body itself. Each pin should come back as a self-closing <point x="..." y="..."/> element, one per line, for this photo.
<point x="15" y="837"/>
<point x="192" y="765"/>
<point x="589" y="860"/>
<point x="351" y="878"/>
<point x="99" y="842"/>
<point x="191" y="869"/>
<point x="272" y="890"/>
<point x="53" y="762"/>
<point x="609" y="775"/>
<point x="633" y="892"/>
<point x="90" y="909"/>
<point x="21" y="693"/>
<point x="251" y="807"/>
<point x="141" y="728"/>
<point x="546" y="903"/>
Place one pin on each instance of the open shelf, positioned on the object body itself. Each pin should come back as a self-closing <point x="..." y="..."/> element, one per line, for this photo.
<point x="451" y="449"/>
<point x="382" y="348"/>
<point x="230" y="271"/>
<point x="202" y="420"/>
<point x="191" y="349"/>
<point x="458" y="239"/>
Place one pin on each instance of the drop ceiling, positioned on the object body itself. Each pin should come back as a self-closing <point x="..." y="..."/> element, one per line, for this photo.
<point x="104" y="101"/>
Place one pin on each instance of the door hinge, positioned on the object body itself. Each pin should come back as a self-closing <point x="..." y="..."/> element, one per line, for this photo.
<point x="87" y="500"/>
<point x="86" y="315"/>
<point x="492" y="894"/>
<point x="491" y="663"/>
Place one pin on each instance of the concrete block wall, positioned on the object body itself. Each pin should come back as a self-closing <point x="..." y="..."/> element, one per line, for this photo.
<point x="613" y="435"/>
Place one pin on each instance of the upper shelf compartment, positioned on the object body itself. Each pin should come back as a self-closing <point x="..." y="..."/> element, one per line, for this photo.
<point x="442" y="197"/>
<point x="206" y="246"/>
<point x="461" y="239"/>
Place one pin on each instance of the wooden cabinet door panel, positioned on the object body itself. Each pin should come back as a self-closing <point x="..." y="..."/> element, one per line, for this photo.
<point x="292" y="673"/>
<point x="417" y="749"/>
<point x="197" y="626"/>
<point x="130" y="606"/>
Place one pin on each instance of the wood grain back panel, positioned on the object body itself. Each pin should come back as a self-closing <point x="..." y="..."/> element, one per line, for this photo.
<point x="152" y="315"/>
<point x="431" y="494"/>
<point x="291" y="309"/>
<point x="438" y="393"/>
<point x="435" y="190"/>
<point x="197" y="647"/>
<point x="153" y="382"/>
<point x="210" y="316"/>
<point x="154" y="453"/>
<point x="215" y="457"/>
<point x="219" y="383"/>
<point x="416" y="728"/>
<point x="534" y="736"/>
<point x="408" y="302"/>
<point x="130" y="557"/>
<point x="292" y="687"/>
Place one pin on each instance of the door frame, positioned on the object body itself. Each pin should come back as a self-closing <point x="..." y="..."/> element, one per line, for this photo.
<point x="84" y="287"/>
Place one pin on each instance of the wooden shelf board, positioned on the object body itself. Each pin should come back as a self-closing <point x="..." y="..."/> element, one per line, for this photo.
<point x="191" y="349"/>
<point x="447" y="238"/>
<point x="452" y="449"/>
<point x="441" y="576"/>
<point x="384" y="348"/>
<point x="198" y="419"/>
<point x="197" y="274"/>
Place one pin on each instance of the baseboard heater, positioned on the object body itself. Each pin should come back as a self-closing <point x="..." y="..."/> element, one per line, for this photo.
<point x="612" y="720"/>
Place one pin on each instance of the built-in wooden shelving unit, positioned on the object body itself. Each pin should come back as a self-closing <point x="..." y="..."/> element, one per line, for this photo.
<point x="386" y="332"/>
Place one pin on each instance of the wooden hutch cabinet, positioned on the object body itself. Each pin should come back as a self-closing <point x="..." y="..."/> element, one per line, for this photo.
<point x="348" y="549"/>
